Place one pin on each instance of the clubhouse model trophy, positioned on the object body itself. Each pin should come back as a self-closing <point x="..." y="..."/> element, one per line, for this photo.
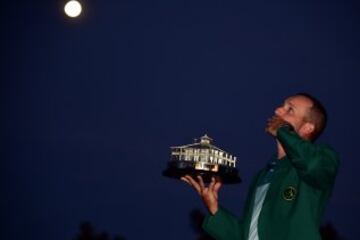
<point x="202" y="159"/>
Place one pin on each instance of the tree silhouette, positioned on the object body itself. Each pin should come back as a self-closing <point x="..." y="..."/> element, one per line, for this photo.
<point x="328" y="232"/>
<point x="88" y="232"/>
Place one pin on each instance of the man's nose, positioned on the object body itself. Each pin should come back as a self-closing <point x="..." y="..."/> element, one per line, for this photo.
<point x="279" y="111"/>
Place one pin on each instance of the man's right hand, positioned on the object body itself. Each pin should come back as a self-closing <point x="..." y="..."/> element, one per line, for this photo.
<point x="209" y="194"/>
<point x="274" y="123"/>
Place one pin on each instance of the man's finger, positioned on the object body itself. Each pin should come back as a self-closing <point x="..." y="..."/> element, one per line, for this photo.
<point x="201" y="182"/>
<point x="212" y="184"/>
<point x="217" y="187"/>
<point x="193" y="183"/>
<point x="185" y="180"/>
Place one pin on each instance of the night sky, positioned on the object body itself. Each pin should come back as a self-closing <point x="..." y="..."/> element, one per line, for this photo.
<point x="90" y="106"/>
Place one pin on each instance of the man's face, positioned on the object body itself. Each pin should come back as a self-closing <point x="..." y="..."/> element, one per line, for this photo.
<point x="294" y="111"/>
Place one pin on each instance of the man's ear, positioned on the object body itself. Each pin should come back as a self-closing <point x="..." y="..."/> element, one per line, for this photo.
<point x="307" y="129"/>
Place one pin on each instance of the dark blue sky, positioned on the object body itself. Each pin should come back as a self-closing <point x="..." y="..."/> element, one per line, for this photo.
<point x="91" y="106"/>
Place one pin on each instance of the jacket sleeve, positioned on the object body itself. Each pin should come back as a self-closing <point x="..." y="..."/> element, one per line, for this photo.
<point x="225" y="226"/>
<point x="316" y="164"/>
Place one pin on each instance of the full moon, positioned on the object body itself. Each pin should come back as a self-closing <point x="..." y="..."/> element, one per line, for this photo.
<point x="72" y="8"/>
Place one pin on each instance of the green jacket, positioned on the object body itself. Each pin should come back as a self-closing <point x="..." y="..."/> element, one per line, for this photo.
<point x="295" y="201"/>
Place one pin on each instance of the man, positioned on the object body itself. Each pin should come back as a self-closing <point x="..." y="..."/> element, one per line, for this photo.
<point x="287" y="198"/>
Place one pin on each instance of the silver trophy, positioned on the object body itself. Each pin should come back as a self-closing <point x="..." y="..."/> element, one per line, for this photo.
<point x="202" y="159"/>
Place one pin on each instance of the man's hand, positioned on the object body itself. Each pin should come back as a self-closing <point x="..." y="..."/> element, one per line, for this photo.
<point x="209" y="194"/>
<point x="274" y="123"/>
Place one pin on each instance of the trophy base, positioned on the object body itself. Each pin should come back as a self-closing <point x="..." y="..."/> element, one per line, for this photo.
<point x="178" y="169"/>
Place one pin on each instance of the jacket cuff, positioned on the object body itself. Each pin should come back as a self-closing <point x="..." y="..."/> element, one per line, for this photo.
<point x="287" y="136"/>
<point x="286" y="126"/>
<point x="212" y="222"/>
<point x="222" y="225"/>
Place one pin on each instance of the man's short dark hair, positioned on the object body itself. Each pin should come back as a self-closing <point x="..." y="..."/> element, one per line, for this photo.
<point x="317" y="115"/>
